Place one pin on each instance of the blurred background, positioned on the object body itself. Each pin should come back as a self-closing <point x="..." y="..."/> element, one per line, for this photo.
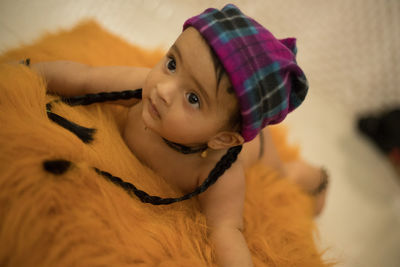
<point x="349" y="50"/>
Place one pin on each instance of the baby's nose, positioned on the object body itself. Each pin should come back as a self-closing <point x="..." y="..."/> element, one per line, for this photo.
<point x="167" y="91"/>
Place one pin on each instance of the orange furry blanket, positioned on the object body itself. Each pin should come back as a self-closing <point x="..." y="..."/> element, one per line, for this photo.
<point x="78" y="218"/>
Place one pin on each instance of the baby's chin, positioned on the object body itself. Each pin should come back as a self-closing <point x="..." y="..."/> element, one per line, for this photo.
<point x="145" y="119"/>
<point x="149" y="123"/>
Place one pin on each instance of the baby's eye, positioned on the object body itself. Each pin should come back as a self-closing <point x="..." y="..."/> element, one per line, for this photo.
<point x="193" y="100"/>
<point x="171" y="65"/>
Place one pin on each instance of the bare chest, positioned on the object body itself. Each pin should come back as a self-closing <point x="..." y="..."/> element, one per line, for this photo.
<point x="178" y="173"/>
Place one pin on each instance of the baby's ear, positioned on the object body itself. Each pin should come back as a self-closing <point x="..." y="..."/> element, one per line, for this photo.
<point x="225" y="140"/>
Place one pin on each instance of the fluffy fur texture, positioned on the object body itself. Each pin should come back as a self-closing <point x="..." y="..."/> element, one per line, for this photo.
<point x="77" y="218"/>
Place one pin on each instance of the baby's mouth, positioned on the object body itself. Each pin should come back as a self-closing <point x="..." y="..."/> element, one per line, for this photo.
<point x="153" y="110"/>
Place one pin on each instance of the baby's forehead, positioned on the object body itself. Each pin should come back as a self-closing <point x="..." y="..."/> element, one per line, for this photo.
<point x="200" y="61"/>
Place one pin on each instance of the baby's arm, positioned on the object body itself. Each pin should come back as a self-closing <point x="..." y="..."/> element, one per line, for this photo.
<point x="223" y="205"/>
<point x="69" y="78"/>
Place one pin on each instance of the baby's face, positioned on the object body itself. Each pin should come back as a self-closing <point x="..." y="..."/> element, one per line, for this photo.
<point x="182" y="100"/>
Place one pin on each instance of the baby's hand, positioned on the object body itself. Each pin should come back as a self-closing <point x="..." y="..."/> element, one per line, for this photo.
<point x="231" y="247"/>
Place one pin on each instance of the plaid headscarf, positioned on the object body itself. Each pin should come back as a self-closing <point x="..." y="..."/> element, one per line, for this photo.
<point x="262" y="69"/>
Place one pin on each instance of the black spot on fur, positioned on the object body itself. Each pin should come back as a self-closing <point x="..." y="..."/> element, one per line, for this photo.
<point x="57" y="167"/>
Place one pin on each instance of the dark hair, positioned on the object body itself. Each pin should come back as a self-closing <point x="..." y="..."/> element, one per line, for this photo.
<point x="222" y="165"/>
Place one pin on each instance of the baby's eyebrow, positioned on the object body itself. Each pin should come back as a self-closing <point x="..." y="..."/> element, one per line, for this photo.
<point x="175" y="48"/>
<point x="198" y="84"/>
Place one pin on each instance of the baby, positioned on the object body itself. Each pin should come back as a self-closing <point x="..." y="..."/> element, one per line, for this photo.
<point x="221" y="83"/>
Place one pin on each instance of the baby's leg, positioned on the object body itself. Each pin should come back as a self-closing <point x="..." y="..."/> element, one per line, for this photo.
<point x="311" y="179"/>
<point x="262" y="148"/>
<point x="268" y="152"/>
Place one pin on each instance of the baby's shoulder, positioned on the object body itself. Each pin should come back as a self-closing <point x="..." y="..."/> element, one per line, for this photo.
<point x="227" y="194"/>
<point x="236" y="170"/>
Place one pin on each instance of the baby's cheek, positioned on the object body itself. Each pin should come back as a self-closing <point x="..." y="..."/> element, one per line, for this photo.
<point x="174" y="124"/>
